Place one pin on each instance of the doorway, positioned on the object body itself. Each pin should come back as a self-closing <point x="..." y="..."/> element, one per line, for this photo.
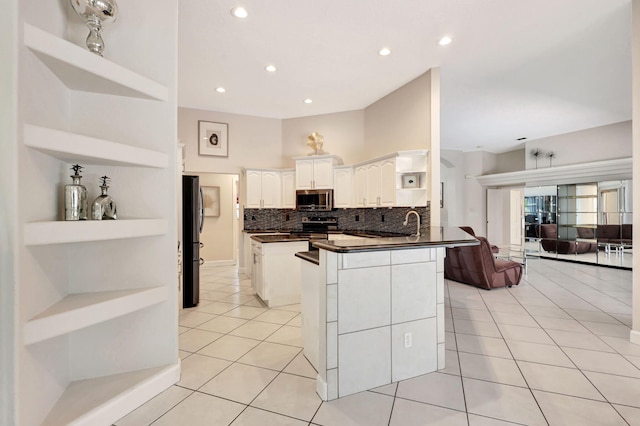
<point x="221" y="224"/>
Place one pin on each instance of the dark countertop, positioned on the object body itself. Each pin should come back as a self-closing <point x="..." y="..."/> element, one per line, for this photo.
<point x="278" y="238"/>
<point x="310" y="256"/>
<point x="432" y="237"/>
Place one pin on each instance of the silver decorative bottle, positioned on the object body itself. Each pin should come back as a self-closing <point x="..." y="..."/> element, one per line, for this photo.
<point x="95" y="13"/>
<point x="104" y="208"/>
<point x="75" y="197"/>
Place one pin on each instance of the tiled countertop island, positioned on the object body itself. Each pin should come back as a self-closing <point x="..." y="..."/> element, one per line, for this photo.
<point x="373" y="309"/>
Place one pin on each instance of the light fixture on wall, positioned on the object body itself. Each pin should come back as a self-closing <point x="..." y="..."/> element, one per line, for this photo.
<point x="385" y="51"/>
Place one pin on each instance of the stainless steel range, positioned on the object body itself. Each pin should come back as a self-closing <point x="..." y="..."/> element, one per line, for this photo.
<point x="317" y="228"/>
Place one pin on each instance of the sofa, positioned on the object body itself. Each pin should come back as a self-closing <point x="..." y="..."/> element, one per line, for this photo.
<point x="612" y="234"/>
<point x="476" y="265"/>
<point x="550" y="242"/>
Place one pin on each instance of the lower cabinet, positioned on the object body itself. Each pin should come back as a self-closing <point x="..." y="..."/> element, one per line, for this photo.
<point x="275" y="272"/>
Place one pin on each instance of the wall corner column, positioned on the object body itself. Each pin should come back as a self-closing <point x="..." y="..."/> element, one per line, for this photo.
<point x="434" y="149"/>
<point x="635" y="332"/>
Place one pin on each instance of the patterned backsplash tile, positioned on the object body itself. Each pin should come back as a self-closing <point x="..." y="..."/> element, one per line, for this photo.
<point x="359" y="219"/>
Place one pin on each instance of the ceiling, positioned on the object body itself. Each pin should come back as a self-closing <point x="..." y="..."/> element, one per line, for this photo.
<point x="515" y="68"/>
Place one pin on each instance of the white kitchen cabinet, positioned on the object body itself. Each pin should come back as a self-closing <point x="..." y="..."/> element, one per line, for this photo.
<point x="373" y="185"/>
<point x="343" y="186"/>
<point x="275" y="271"/>
<point x="383" y="182"/>
<point x="387" y="182"/>
<point x="264" y="189"/>
<point x="316" y="172"/>
<point x="412" y="178"/>
<point x="95" y="314"/>
<point x="288" y="189"/>
<point x="360" y="186"/>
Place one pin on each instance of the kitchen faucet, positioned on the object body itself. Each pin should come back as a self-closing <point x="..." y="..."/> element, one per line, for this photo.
<point x="406" y="220"/>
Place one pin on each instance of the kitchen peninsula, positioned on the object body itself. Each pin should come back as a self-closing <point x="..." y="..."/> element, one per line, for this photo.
<point x="373" y="309"/>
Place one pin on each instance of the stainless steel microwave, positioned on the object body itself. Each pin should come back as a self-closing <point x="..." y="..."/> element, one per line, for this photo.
<point x="317" y="200"/>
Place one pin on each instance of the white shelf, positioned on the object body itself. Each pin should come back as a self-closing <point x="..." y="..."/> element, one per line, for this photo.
<point x="104" y="400"/>
<point x="72" y="147"/>
<point x="82" y="70"/>
<point x="77" y="311"/>
<point x="57" y="232"/>
<point x="412" y="189"/>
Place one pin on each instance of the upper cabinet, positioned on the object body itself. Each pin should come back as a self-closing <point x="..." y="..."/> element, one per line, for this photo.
<point x="315" y="172"/>
<point x="343" y="186"/>
<point x="399" y="179"/>
<point x="288" y="189"/>
<point x="264" y="189"/>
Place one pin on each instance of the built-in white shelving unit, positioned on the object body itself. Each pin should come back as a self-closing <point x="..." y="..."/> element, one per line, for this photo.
<point x="96" y="320"/>
<point x="80" y="69"/>
<point x="80" y="405"/>
<point x="59" y="232"/>
<point x="70" y="147"/>
<point x="77" y="311"/>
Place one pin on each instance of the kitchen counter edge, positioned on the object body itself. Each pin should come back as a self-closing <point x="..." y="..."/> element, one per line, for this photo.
<point x="435" y="237"/>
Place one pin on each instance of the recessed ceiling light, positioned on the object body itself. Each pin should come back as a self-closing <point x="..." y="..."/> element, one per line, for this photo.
<point x="308" y="101"/>
<point x="385" y="51"/>
<point x="270" y="68"/>
<point x="239" y="12"/>
<point x="220" y="89"/>
<point x="445" y="41"/>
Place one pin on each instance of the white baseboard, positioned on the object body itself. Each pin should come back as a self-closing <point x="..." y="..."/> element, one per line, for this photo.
<point x="219" y="263"/>
<point x="635" y="337"/>
<point x="130" y="399"/>
<point x="321" y="388"/>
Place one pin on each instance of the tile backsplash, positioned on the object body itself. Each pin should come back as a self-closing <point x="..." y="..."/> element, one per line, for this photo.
<point x="358" y="219"/>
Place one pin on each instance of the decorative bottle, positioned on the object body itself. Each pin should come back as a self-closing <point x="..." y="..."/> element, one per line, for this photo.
<point x="75" y="197"/>
<point x="104" y="208"/>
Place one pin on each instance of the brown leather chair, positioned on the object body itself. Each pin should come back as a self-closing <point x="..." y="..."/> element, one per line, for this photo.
<point x="469" y="230"/>
<point x="477" y="266"/>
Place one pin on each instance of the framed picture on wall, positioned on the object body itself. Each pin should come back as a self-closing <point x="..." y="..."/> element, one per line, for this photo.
<point x="213" y="139"/>
<point x="211" y="195"/>
<point x="410" y="181"/>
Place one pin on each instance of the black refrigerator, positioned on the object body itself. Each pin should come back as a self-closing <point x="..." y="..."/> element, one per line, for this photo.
<point x="192" y="223"/>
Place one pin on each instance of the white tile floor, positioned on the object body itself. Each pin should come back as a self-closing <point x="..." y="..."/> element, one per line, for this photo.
<point x="553" y="350"/>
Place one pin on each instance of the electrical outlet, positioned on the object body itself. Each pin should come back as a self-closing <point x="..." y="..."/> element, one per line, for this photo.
<point x="408" y="340"/>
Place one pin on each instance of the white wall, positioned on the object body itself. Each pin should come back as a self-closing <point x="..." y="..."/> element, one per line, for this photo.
<point x="343" y="135"/>
<point x="511" y="161"/>
<point x="452" y="174"/>
<point x="253" y="142"/>
<point x="635" y="333"/>
<point x="218" y="234"/>
<point x="9" y="216"/>
<point x="401" y="120"/>
<point x="603" y="143"/>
